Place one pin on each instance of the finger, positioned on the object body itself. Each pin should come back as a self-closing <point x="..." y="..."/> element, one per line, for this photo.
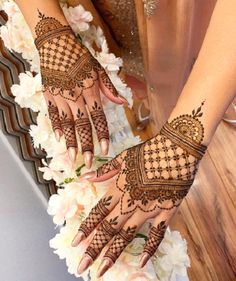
<point x="96" y="215"/>
<point x="68" y="126"/>
<point x="156" y="235"/>
<point x="94" y="105"/>
<point x="104" y="172"/>
<point x="121" y="241"/>
<point x="53" y="115"/>
<point x="84" y="129"/>
<point x="108" y="88"/>
<point x="104" y="233"/>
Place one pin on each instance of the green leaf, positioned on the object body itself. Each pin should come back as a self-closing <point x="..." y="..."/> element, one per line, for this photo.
<point x="140" y="235"/>
<point x="78" y="170"/>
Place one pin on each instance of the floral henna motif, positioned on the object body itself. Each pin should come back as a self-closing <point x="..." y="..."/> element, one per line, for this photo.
<point x="84" y="129"/>
<point x="103" y="235"/>
<point x="68" y="129"/>
<point x="159" y="172"/>
<point x="99" y="121"/>
<point x="54" y="116"/>
<point x="97" y="214"/>
<point x="65" y="63"/>
<point x="155" y="237"/>
<point x="121" y="240"/>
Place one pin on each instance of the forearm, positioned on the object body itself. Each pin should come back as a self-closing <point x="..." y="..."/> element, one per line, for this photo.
<point x="31" y="9"/>
<point x="213" y="76"/>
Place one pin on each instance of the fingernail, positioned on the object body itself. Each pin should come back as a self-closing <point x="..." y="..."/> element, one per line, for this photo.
<point x="87" y="176"/>
<point x="57" y="135"/>
<point x="84" y="264"/>
<point x="88" y="159"/>
<point x="72" y="153"/>
<point x="105" y="265"/>
<point x="144" y="259"/>
<point x="104" y="146"/>
<point x="124" y="100"/>
<point x="78" y="238"/>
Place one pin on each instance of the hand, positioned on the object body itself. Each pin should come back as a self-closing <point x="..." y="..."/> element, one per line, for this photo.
<point x="152" y="180"/>
<point x="71" y="80"/>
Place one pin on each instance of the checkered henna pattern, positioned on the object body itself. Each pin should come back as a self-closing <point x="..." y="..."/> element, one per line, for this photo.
<point x="99" y="121"/>
<point x="84" y="129"/>
<point x="160" y="171"/>
<point x="97" y="214"/>
<point x="107" y="167"/>
<point x="54" y="116"/>
<point x="155" y="237"/>
<point x="107" y="82"/>
<point x="103" y="235"/>
<point x="65" y="63"/>
<point x="121" y="240"/>
<point x="68" y="128"/>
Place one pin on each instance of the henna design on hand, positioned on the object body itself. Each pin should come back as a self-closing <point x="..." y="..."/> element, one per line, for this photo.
<point x="162" y="169"/>
<point x="156" y="235"/>
<point x="107" y="167"/>
<point x="54" y="116"/>
<point x="96" y="215"/>
<point x="68" y="128"/>
<point x="107" y="82"/>
<point x="65" y="63"/>
<point x="100" y="122"/>
<point x="84" y="129"/>
<point x="121" y="240"/>
<point x="103" y="235"/>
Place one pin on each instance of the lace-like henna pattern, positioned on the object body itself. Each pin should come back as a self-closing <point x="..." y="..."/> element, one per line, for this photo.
<point x="97" y="214"/>
<point x="107" y="82"/>
<point x="162" y="169"/>
<point x="99" y="121"/>
<point x="54" y="116"/>
<point x="65" y="63"/>
<point x="107" y="167"/>
<point x="121" y="240"/>
<point x="104" y="234"/>
<point x="84" y="129"/>
<point x="68" y="129"/>
<point x="155" y="237"/>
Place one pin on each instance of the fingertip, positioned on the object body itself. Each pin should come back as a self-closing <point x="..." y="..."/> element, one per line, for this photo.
<point x="72" y="151"/>
<point x="144" y="259"/>
<point x="104" y="146"/>
<point x="88" y="159"/>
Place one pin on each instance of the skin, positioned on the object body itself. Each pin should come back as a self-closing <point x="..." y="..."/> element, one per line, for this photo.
<point x="212" y="80"/>
<point x="51" y="8"/>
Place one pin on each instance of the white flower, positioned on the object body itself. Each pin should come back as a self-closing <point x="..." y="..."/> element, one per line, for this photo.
<point x="78" y="18"/>
<point x="28" y="93"/>
<point x="108" y="60"/>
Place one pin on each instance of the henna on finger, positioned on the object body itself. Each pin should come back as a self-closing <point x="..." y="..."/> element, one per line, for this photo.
<point x="113" y="164"/>
<point x="96" y="215"/>
<point x="68" y="128"/>
<point x="84" y="129"/>
<point x="107" y="82"/>
<point x="100" y="122"/>
<point x="54" y="116"/>
<point x="156" y="235"/>
<point x="121" y="240"/>
<point x="104" y="234"/>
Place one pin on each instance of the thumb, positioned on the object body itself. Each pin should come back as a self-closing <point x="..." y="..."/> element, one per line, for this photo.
<point x="108" y="88"/>
<point x="105" y="172"/>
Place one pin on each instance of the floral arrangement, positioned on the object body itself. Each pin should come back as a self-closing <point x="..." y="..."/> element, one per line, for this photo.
<point x="74" y="200"/>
